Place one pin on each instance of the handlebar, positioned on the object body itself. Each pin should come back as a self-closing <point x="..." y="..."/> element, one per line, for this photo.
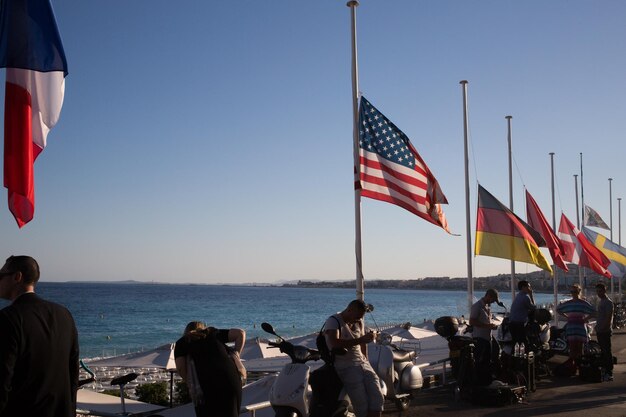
<point x="297" y="353"/>
<point x="92" y="375"/>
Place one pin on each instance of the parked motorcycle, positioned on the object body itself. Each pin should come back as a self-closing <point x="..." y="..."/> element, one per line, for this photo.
<point x="538" y="332"/>
<point x="559" y="346"/>
<point x="289" y="396"/>
<point x="397" y="369"/>
<point x="461" y="355"/>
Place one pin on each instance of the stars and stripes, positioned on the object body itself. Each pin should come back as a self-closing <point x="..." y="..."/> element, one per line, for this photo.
<point x="391" y="170"/>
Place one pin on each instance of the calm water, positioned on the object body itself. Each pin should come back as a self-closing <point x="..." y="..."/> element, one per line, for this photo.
<point x="119" y="318"/>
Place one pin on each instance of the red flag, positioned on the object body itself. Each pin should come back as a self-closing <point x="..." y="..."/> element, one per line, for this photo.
<point x="578" y="250"/>
<point x="537" y="221"/>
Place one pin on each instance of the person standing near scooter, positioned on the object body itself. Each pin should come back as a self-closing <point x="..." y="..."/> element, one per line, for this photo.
<point x="480" y="320"/>
<point x="346" y="331"/>
<point x="604" y="328"/>
<point x="523" y="305"/>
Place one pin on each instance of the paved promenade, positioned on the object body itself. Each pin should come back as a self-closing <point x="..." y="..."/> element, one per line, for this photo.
<point x="555" y="396"/>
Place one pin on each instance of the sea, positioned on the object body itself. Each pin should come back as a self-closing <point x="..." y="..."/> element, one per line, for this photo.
<point x="115" y="318"/>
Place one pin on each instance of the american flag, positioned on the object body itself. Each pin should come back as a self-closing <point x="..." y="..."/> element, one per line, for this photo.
<point x="393" y="171"/>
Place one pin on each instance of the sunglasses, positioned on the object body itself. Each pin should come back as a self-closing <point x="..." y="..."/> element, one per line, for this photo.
<point x="4" y="274"/>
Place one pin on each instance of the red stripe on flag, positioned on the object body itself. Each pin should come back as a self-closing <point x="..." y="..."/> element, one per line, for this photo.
<point x="19" y="153"/>
<point x="415" y="209"/>
<point x="377" y="165"/>
<point x="368" y="179"/>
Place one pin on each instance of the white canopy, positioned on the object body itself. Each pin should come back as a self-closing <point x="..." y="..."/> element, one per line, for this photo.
<point x="160" y="357"/>
<point x="90" y="402"/>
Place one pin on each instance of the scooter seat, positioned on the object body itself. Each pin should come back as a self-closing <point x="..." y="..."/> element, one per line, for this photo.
<point x="403" y="355"/>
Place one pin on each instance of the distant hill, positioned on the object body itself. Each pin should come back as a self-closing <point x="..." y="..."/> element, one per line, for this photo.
<point x="540" y="280"/>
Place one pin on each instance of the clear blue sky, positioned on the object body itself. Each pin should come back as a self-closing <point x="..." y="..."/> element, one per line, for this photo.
<point x="205" y="141"/>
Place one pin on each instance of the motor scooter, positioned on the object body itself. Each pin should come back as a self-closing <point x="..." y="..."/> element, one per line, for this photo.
<point x="461" y="355"/>
<point x="395" y="367"/>
<point x="290" y="393"/>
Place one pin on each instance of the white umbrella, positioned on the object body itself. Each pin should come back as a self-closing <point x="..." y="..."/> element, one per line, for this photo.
<point x="93" y="403"/>
<point x="161" y="357"/>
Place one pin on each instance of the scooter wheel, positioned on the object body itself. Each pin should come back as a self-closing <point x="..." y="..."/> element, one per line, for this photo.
<point x="403" y="403"/>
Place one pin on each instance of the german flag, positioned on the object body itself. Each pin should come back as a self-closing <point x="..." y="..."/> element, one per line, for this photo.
<point x="501" y="234"/>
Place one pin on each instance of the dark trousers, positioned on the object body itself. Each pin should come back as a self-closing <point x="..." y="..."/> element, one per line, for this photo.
<point x="604" y="340"/>
<point x="482" y="360"/>
<point x="518" y="332"/>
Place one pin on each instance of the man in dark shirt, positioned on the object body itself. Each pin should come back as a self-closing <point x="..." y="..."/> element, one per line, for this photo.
<point x="480" y="320"/>
<point x="604" y="328"/>
<point x="38" y="347"/>
<point x="523" y="305"/>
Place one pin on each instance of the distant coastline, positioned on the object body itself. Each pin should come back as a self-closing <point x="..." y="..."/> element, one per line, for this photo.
<point x="541" y="281"/>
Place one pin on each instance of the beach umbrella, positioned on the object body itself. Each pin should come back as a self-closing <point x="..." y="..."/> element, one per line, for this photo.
<point x="161" y="357"/>
<point x="95" y="403"/>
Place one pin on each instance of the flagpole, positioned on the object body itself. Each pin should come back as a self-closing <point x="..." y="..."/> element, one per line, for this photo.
<point x="353" y="4"/>
<point x="468" y="228"/>
<point x="508" y="118"/>
<point x="555" y="280"/>
<point x="611" y="226"/>
<point x="580" y="271"/>
<point x="619" y="237"/>
<point x="582" y="276"/>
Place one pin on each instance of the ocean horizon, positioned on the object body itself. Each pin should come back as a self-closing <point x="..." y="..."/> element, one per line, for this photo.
<point x="117" y="318"/>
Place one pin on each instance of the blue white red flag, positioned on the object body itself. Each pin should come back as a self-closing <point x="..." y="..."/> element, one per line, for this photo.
<point x="32" y="53"/>
<point x="393" y="171"/>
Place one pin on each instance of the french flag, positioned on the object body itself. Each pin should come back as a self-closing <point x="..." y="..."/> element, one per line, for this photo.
<point x="32" y="53"/>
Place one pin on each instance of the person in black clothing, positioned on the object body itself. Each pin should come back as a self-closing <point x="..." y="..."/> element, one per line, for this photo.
<point x="38" y="347"/>
<point x="202" y="360"/>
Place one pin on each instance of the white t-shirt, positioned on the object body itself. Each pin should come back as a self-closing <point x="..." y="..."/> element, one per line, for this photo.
<point x="354" y="356"/>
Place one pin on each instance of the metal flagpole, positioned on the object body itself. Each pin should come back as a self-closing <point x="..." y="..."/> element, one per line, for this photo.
<point x="555" y="281"/>
<point x="468" y="227"/>
<point x="582" y="275"/>
<point x="619" y="237"/>
<point x="508" y="118"/>
<point x="357" y="170"/>
<point x="580" y="271"/>
<point x="611" y="227"/>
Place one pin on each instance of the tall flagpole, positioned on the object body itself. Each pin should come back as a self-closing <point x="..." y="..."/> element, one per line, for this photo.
<point x="580" y="271"/>
<point x="353" y="4"/>
<point x="611" y="226"/>
<point x="555" y="280"/>
<point x="508" y="118"/>
<point x="468" y="227"/>
<point x="619" y="238"/>
<point x="582" y="276"/>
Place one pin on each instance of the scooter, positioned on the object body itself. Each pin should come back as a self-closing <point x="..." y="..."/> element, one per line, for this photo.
<point x="289" y="396"/>
<point x="396" y="368"/>
<point x="461" y="355"/>
<point x="559" y="346"/>
<point x="537" y="335"/>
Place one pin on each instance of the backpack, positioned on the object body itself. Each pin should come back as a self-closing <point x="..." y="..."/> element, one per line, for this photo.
<point x="320" y="341"/>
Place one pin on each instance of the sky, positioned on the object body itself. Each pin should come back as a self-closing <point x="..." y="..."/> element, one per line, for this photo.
<point x="211" y="141"/>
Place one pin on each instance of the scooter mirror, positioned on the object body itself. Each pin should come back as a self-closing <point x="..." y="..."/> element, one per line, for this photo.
<point x="369" y="308"/>
<point x="268" y="328"/>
